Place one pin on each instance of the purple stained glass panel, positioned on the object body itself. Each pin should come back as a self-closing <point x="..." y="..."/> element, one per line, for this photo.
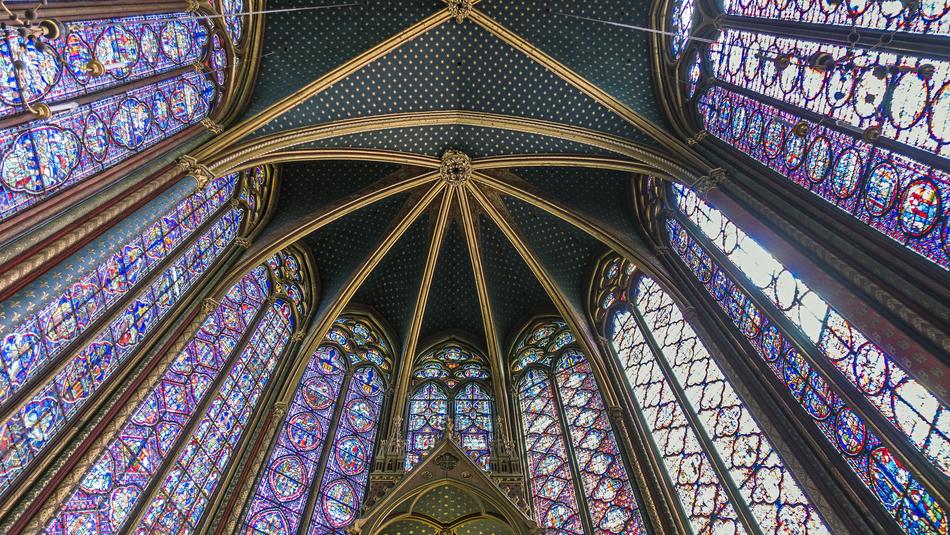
<point x="180" y="502"/>
<point x="43" y="336"/>
<point x="610" y="500"/>
<point x="43" y="157"/>
<point x="347" y="470"/>
<point x="896" y="195"/>
<point x="102" y="500"/>
<point x="428" y="413"/>
<point x="473" y="422"/>
<point x="284" y="487"/>
<point x="130" y="49"/>
<point x="39" y="419"/>
<point x="550" y="475"/>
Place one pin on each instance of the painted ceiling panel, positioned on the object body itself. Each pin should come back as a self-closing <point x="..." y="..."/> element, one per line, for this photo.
<point x="455" y="66"/>
<point x="614" y="58"/>
<point x="453" y="298"/>
<point x="300" y="46"/>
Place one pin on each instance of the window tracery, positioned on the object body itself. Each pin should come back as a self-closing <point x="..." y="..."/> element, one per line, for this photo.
<point x="895" y="486"/>
<point x="856" y="116"/>
<point x="575" y="467"/>
<point x="209" y="392"/>
<point x="334" y="415"/>
<point x="453" y="382"/>
<point x="198" y="229"/>
<point x="97" y="95"/>
<point x="697" y="420"/>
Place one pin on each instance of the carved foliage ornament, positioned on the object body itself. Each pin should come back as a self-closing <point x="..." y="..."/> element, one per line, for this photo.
<point x="460" y="9"/>
<point x="456" y="167"/>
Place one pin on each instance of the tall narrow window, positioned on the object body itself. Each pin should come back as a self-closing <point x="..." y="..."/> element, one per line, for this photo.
<point x="217" y="378"/>
<point x="452" y="383"/>
<point x="92" y="129"/>
<point x="327" y="437"/>
<point x="897" y="488"/>
<point x="46" y="353"/>
<point x="863" y="127"/>
<point x="579" y="482"/>
<point x="698" y="422"/>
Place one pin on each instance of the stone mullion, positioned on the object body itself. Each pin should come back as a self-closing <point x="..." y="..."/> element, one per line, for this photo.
<point x="576" y="478"/>
<point x="899" y="444"/>
<point x="80" y="451"/>
<point x="744" y="514"/>
<point x="78" y="421"/>
<point x="860" y="263"/>
<point x="830" y="483"/>
<point x="255" y="444"/>
<point x="308" y="511"/>
<point x="115" y="309"/>
<point x="642" y="455"/>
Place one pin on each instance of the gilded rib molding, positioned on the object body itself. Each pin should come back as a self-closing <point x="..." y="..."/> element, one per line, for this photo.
<point x="422" y="297"/>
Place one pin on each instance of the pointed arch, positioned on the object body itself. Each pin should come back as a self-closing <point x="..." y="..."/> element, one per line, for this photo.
<point x="319" y="464"/>
<point x="170" y="443"/>
<point x="451" y="382"/>
<point x="579" y="478"/>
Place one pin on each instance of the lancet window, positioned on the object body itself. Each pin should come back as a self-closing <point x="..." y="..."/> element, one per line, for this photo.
<point x="717" y="458"/>
<point x="191" y="415"/>
<point x="451" y="383"/>
<point x="825" y="99"/>
<point x="99" y="93"/>
<point x="820" y="351"/>
<point x="319" y="465"/>
<point x="55" y="360"/>
<point x="579" y="481"/>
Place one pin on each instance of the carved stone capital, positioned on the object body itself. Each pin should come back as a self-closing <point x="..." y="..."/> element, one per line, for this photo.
<point x="298" y="336"/>
<point x="663" y="251"/>
<point x="212" y="126"/>
<point x="193" y="6"/>
<point x="279" y="410"/>
<point x="242" y="242"/>
<point x="615" y="413"/>
<point x="704" y="184"/>
<point x="209" y="305"/>
<point x="235" y="203"/>
<point x="701" y="135"/>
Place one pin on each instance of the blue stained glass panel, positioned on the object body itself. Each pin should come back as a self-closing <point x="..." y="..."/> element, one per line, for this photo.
<point x="102" y="500"/>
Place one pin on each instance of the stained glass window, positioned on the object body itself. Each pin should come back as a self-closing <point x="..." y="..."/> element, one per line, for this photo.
<point x="428" y="414"/>
<point x="572" y="450"/>
<point x="895" y="195"/>
<point x="453" y="382"/>
<point x="129" y="49"/>
<point x="928" y="16"/>
<point x="330" y="416"/>
<point x="39" y="158"/>
<point x="899" y="397"/>
<point x="900" y="492"/>
<point x="851" y="91"/>
<point x="108" y="492"/>
<point x="681" y="24"/>
<point x="36" y="421"/>
<point x="678" y="363"/>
